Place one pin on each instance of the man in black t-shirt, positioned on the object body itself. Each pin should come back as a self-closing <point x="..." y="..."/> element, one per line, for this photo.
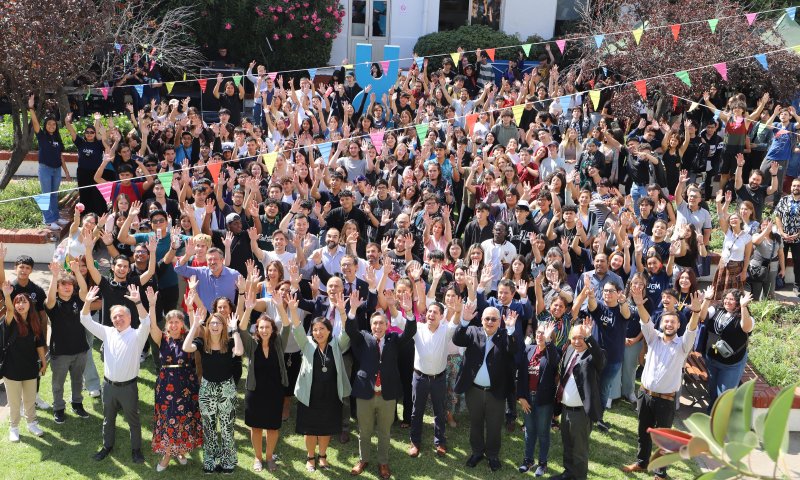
<point x="230" y="99"/>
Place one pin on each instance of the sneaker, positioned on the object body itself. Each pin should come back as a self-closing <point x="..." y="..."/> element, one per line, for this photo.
<point x="13" y="434"/>
<point x="603" y="426"/>
<point x="94" y="393"/>
<point x="34" y="429"/>
<point x="62" y="221"/>
<point x="632" y="398"/>
<point x="540" y="470"/>
<point x="41" y="404"/>
<point x="525" y="466"/>
<point x="608" y="404"/>
<point x="59" y="417"/>
<point x="79" y="410"/>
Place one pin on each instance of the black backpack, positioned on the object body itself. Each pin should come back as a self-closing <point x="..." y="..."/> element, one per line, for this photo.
<point x="698" y="163"/>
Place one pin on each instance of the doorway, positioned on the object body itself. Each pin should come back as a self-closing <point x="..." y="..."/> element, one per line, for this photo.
<point x="369" y="23"/>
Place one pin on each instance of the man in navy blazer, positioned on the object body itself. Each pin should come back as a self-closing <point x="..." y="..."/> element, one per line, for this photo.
<point x="376" y="383"/>
<point x="366" y="289"/>
<point x="486" y="378"/>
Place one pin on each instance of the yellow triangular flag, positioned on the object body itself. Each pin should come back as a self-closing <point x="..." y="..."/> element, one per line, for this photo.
<point x="349" y="66"/>
<point x="184" y="76"/>
<point x="169" y="87"/>
<point x="796" y="49"/>
<point x="269" y="161"/>
<point x="456" y="57"/>
<point x="595" y="96"/>
<point x="517" y="110"/>
<point x="693" y="106"/>
<point x="637" y="34"/>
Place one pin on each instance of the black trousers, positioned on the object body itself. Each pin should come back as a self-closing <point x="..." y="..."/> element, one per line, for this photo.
<point x="485" y="421"/>
<point x="653" y="413"/>
<point x="575" y="430"/>
<point x="405" y="364"/>
<point x="90" y="197"/>
<point x="794" y="249"/>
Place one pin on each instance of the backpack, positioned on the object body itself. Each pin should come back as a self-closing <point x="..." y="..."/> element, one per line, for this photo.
<point x="698" y="163"/>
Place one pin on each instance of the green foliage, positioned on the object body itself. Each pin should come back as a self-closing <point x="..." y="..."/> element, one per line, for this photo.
<point x="468" y="37"/>
<point x="7" y="131"/>
<point x="774" y="342"/>
<point x="24" y="213"/>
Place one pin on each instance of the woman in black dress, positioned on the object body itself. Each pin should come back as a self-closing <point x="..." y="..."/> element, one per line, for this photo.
<point x="266" y="380"/>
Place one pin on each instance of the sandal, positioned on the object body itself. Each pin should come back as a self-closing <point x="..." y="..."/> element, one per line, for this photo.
<point x="182" y="460"/>
<point x="257" y="466"/>
<point x="321" y="466"/>
<point x="311" y="464"/>
<point x="271" y="465"/>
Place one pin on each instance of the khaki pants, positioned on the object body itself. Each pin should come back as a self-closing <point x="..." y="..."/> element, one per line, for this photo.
<point x="21" y="392"/>
<point x="370" y="412"/>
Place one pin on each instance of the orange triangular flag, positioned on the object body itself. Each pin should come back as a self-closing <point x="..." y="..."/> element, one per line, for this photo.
<point x="676" y="30"/>
<point x="202" y="82"/>
<point x="490" y="52"/>
<point x="213" y="169"/>
<point x="641" y="87"/>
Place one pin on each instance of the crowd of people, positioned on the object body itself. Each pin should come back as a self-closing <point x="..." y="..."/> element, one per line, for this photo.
<point x="520" y="269"/>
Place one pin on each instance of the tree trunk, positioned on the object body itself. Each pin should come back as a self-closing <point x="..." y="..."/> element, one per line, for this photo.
<point x="23" y="139"/>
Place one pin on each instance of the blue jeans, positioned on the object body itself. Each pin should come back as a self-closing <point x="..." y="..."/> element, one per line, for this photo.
<point x="607" y="377"/>
<point x="722" y="377"/>
<point x="50" y="180"/>
<point x="637" y="192"/>
<point x="537" y="427"/>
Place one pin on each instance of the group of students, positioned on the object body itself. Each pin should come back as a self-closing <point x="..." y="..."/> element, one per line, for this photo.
<point x="498" y="269"/>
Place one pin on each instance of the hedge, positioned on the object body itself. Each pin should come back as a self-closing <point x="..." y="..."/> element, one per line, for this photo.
<point x="7" y="131"/>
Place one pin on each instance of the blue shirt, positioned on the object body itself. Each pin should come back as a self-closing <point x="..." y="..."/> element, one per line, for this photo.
<point x="210" y="287"/>
<point x="781" y="147"/>
<point x="611" y="326"/>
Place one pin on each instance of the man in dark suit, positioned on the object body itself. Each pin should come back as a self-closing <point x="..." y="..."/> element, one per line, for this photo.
<point x="484" y="378"/>
<point x="366" y="289"/>
<point x="579" y="392"/>
<point x="376" y="385"/>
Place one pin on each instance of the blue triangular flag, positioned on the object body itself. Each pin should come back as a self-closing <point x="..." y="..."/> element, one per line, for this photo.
<point x="264" y="290"/>
<point x="564" y="101"/>
<point x="420" y="61"/>
<point x="716" y="115"/>
<point x="118" y="47"/>
<point x="598" y="39"/>
<point x="139" y="90"/>
<point x="325" y="150"/>
<point x="605" y="71"/>
<point x="762" y="59"/>
<point x="791" y="11"/>
<point x="43" y="201"/>
<point x="312" y="72"/>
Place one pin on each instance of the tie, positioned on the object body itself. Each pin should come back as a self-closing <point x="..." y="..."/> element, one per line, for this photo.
<point x="333" y="315"/>
<point x="378" y="378"/>
<point x="503" y="313"/>
<point x="565" y="377"/>
<point x="349" y="289"/>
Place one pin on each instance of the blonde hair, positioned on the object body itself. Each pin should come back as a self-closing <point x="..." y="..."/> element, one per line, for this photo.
<point x="202" y="238"/>
<point x="223" y="337"/>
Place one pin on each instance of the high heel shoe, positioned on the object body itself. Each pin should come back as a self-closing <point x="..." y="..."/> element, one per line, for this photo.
<point x="321" y="466"/>
<point x="311" y="464"/>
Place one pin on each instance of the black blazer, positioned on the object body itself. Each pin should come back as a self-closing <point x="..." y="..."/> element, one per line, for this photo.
<point x="499" y="361"/>
<point x="370" y="299"/>
<point x="587" y="375"/>
<point x="548" y="373"/>
<point x="370" y="361"/>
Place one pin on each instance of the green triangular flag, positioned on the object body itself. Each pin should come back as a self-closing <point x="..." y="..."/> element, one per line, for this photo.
<point x="527" y="49"/>
<point x="237" y="79"/>
<point x="88" y="94"/>
<point x="422" y="131"/>
<point x="712" y="23"/>
<point x="684" y="76"/>
<point x="166" y="181"/>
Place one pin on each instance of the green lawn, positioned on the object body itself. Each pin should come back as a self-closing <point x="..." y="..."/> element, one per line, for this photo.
<point x="65" y="450"/>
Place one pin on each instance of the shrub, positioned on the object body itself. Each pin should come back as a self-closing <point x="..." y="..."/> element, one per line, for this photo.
<point x="774" y="342"/>
<point x="468" y="37"/>
<point x="7" y="131"/>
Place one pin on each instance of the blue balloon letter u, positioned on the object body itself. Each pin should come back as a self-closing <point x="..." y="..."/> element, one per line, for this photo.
<point x="384" y="84"/>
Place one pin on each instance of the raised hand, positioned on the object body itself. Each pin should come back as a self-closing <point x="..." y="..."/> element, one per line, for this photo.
<point x="469" y="310"/>
<point x="151" y="295"/>
<point x="511" y="319"/>
<point x="91" y="296"/>
<point x="133" y="294"/>
<point x="193" y="282"/>
<point x="355" y="300"/>
<point x="7" y="288"/>
<point x="745" y="300"/>
<point x="708" y="294"/>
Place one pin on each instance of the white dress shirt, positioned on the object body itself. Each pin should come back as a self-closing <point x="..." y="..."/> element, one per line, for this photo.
<point x="663" y="368"/>
<point x="571" y="396"/>
<point x="430" y="348"/>
<point x="121" y="350"/>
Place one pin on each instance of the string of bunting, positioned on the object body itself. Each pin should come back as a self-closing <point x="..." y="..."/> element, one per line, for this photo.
<point x="599" y="39"/>
<point x="421" y="129"/>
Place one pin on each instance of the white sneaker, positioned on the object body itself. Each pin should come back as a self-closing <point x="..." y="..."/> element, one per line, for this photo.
<point x="608" y="404"/>
<point x="54" y="226"/>
<point x="94" y="393"/>
<point x="41" y="404"/>
<point x="13" y="434"/>
<point x="62" y="221"/>
<point x="34" y="429"/>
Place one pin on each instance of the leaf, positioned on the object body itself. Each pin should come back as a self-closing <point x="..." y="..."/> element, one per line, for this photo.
<point x="741" y="417"/>
<point x="724" y="473"/>
<point x="700" y="426"/>
<point x="721" y="415"/>
<point x="776" y="424"/>
<point x="736" y="451"/>
<point x="759" y="425"/>
<point x="660" y="461"/>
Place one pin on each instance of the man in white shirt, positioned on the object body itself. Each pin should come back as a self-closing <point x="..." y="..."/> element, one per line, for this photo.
<point x="430" y="362"/>
<point x="122" y="346"/>
<point x="498" y="251"/>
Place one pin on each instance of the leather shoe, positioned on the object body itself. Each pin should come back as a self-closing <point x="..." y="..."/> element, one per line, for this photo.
<point x="510" y="426"/>
<point x="413" y="451"/>
<point x="103" y="453"/>
<point x="383" y="470"/>
<point x="344" y="437"/>
<point x="359" y="468"/>
<point x="633" y="468"/>
<point x="440" y="450"/>
<point x="474" y="460"/>
<point x="494" y="464"/>
<point x="136" y="455"/>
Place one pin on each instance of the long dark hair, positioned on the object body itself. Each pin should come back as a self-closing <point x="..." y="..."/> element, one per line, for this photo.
<point x="268" y="319"/>
<point x="32" y="320"/>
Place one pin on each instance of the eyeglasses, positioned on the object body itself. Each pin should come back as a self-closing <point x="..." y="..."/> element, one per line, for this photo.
<point x="491" y="319"/>
<point x="158" y="221"/>
<point x="89" y="132"/>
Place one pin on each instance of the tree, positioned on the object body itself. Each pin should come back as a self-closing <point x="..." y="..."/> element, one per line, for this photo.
<point x="659" y="53"/>
<point x="48" y="44"/>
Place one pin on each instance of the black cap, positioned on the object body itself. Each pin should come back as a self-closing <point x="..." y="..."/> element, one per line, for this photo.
<point x="439" y="144"/>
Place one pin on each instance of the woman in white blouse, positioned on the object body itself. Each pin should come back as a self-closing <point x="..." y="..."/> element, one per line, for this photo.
<point x="736" y="249"/>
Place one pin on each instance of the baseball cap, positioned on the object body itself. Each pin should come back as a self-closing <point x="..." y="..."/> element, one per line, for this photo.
<point x="233" y="217"/>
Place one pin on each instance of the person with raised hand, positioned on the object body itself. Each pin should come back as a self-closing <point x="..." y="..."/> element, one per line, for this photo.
<point x="123" y="344"/>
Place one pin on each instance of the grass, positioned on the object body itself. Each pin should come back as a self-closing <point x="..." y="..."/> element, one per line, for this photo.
<point x="65" y="450"/>
<point x="774" y="343"/>
<point x="24" y="213"/>
<point x="7" y="131"/>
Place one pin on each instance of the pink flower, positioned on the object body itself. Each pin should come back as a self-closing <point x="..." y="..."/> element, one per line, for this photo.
<point x="274" y="18"/>
<point x="288" y="36"/>
<point x="329" y="9"/>
<point x="291" y="16"/>
<point x="317" y="28"/>
<point x="327" y="35"/>
<point x="305" y="35"/>
<point x="305" y="4"/>
<point x="279" y="9"/>
<point x="259" y="12"/>
<point x="275" y="37"/>
<point x="271" y="9"/>
<point x="305" y="17"/>
<point x="228" y="26"/>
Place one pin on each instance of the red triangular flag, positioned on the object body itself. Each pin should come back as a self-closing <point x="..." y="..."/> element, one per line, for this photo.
<point x="202" y="82"/>
<point x="471" y="119"/>
<point x="676" y="30"/>
<point x="591" y="83"/>
<point x="641" y="87"/>
<point x="213" y="168"/>
<point x="105" y="190"/>
<point x="674" y="102"/>
<point x="490" y="52"/>
<point x="104" y="90"/>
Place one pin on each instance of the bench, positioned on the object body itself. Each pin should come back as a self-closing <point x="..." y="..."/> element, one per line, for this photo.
<point x="695" y="379"/>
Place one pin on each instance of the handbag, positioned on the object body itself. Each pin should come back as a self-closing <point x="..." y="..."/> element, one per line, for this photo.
<point x="759" y="273"/>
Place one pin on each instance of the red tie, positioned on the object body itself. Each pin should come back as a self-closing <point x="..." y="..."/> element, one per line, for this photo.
<point x="333" y="315"/>
<point x="378" y="378"/>
<point x="566" y="375"/>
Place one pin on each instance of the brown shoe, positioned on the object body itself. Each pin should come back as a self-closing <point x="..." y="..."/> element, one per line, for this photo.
<point x="633" y="468"/>
<point x="440" y="450"/>
<point x="359" y="468"/>
<point x="344" y="437"/>
<point x="383" y="470"/>
<point x="451" y="422"/>
<point x="413" y="451"/>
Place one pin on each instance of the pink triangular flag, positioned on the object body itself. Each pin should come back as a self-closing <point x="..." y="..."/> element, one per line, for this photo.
<point x="385" y="66"/>
<point x="377" y="139"/>
<point x="751" y="17"/>
<point x="104" y="90"/>
<point x="152" y="64"/>
<point x="202" y="82"/>
<point x="105" y="190"/>
<point x="561" y="44"/>
<point x="272" y="75"/>
<point x="722" y="68"/>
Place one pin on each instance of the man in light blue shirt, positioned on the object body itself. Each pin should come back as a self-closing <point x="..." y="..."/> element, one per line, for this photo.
<point x="215" y="280"/>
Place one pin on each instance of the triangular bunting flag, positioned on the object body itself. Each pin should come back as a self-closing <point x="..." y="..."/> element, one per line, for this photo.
<point x="791" y="11"/>
<point x="676" y="30"/>
<point x="564" y="102"/>
<point x="594" y="95"/>
<point x="605" y="71"/>
<point x="762" y="59"/>
<point x="796" y="49"/>
<point x="237" y="79"/>
<point x="202" y="82"/>
<point x="722" y="68"/>
<point x="105" y="190"/>
<point x="385" y="66"/>
<point x="420" y="62"/>
<point x="213" y="169"/>
<point x="641" y="87"/>
<point x="166" y="181"/>
<point x="490" y="53"/>
<point x="598" y="40"/>
<point x="561" y="44"/>
<point x="139" y="90"/>
<point x="272" y="75"/>
<point x="118" y="47"/>
<point x="269" y="161"/>
<point x="456" y="57"/>
<point x="527" y="49"/>
<point x="169" y="87"/>
<point x="674" y="102"/>
<point x="683" y="75"/>
<point x="88" y="94"/>
<point x="422" y="131"/>
<point x="312" y="72"/>
<point x="470" y="121"/>
<point x="637" y="34"/>
<point x="325" y="151"/>
<point x="693" y="106"/>
<point x="517" y="111"/>
<point x="377" y="140"/>
<point x="349" y="66"/>
<point x="184" y="76"/>
<point x="43" y="201"/>
<point x="751" y="17"/>
<point x="104" y="91"/>
<point x="712" y="24"/>
<point x="152" y="65"/>
<point x="591" y="83"/>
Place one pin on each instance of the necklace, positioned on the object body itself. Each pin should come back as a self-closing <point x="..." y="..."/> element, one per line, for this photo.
<point x="323" y="358"/>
